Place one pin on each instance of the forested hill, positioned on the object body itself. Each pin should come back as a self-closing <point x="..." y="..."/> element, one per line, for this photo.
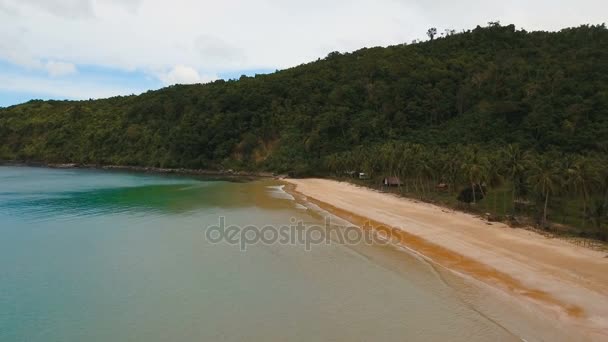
<point x="487" y="87"/>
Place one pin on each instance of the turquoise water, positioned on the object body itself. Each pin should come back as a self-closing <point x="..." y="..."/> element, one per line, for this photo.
<point x="106" y="256"/>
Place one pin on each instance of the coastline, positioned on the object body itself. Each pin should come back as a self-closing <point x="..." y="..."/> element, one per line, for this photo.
<point x="567" y="283"/>
<point x="143" y="169"/>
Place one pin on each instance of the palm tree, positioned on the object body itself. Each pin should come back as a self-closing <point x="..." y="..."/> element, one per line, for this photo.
<point x="331" y="163"/>
<point x="404" y="165"/>
<point x="390" y="158"/>
<point x="545" y="180"/>
<point x="581" y="176"/>
<point x="416" y="158"/>
<point x="600" y="203"/>
<point x="475" y="168"/>
<point x="451" y="167"/>
<point x="494" y="175"/>
<point x="515" y="162"/>
<point x="425" y="171"/>
<point x="371" y="161"/>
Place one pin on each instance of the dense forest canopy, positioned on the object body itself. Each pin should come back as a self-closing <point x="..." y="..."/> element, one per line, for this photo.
<point x="516" y="117"/>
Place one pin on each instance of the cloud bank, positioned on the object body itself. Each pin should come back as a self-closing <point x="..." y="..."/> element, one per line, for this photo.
<point x="192" y="41"/>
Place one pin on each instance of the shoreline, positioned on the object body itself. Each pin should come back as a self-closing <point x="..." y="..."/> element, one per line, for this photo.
<point x="143" y="169"/>
<point x="568" y="283"/>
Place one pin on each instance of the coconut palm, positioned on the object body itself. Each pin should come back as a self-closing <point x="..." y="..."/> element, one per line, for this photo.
<point x="581" y="176"/>
<point x="515" y="163"/>
<point x="545" y="180"/>
<point x="404" y="164"/>
<point x="600" y="192"/>
<point x="475" y="168"/>
<point x="332" y="164"/>
<point x="389" y="158"/>
<point x="494" y="175"/>
<point x="451" y="167"/>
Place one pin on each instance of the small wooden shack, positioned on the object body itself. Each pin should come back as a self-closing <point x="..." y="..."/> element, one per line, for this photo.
<point x="442" y="187"/>
<point x="392" y="181"/>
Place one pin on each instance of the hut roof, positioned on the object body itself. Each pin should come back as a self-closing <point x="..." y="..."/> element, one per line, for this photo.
<point x="392" y="181"/>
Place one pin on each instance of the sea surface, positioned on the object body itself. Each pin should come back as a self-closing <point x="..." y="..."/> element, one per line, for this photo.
<point x="90" y="255"/>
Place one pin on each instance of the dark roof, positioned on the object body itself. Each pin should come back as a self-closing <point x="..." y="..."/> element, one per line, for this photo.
<point x="392" y="181"/>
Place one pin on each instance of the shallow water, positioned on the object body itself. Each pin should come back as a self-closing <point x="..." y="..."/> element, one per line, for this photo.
<point x="105" y="256"/>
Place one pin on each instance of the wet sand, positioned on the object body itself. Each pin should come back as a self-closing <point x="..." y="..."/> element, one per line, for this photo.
<point x="565" y="282"/>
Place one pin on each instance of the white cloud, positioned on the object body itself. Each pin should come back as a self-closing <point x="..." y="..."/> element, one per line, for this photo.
<point x="214" y="36"/>
<point x="181" y="74"/>
<point x="215" y="52"/>
<point x="56" y="69"/>
<point x="62" y="8"/>
<point x="210" y="37"/>
<point x="70" y="9"/>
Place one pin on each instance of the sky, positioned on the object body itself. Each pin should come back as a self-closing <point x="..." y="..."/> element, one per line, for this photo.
<point x="81" y="49"/>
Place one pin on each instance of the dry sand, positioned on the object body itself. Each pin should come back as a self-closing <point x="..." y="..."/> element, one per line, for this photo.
<point x="567" y="282"/>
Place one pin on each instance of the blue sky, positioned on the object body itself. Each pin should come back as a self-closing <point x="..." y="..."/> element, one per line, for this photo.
<point x="80" y="49"/>
<point x="20" y="84"/>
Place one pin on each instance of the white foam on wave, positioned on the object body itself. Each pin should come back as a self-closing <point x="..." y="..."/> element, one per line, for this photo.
<point x="278" y="191"/>
<point x="299" y="206"/>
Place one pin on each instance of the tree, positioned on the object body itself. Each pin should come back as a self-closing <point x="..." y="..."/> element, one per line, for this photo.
<point x="494" y="176"/>
<point x="545" y="180"/>
<point x="515" y="162"/>
<point x="432" y="32"/>
<point x="599" y="193"/>
<point x="450" y="170"/>
<point x="581" y="176"/>
<point x="475" y="170"/>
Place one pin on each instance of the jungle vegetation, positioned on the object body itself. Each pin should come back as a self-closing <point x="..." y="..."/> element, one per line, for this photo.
<point x="520" y="114"/>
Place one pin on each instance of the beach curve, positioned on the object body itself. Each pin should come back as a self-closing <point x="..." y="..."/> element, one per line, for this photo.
<point x="568" y="283"/>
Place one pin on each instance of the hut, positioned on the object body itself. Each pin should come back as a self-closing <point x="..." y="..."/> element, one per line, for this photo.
<point x="442" y="187"/>
<point x="392" y="181"/>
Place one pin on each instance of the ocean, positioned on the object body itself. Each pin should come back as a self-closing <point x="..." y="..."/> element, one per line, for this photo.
<point x="89" y="255"/>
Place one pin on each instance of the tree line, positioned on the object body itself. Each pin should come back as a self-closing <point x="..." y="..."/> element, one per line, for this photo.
<point x="545" y="183"/>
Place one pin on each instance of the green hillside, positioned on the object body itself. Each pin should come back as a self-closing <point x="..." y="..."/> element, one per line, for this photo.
<point x="528" y="108"/>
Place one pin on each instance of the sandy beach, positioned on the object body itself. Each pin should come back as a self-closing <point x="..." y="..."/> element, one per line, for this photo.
<point x="566" y="282"/>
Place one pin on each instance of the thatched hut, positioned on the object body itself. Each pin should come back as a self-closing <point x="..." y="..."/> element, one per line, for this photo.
<point x="391" y="181"/>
